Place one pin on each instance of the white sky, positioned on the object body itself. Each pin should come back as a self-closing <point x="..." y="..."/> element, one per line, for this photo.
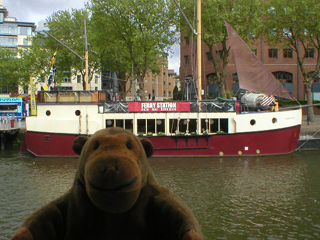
<point x="38" y="10"/>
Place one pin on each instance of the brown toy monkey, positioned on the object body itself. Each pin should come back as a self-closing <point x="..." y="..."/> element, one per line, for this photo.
<point x="115" y="196"/>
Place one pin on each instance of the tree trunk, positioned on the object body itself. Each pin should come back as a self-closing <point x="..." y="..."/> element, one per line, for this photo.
<point x="310" y="113"/>
<point x="222" y="90"/>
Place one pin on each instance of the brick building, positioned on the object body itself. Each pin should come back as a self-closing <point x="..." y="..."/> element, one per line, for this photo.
<point x="281" y="62"/>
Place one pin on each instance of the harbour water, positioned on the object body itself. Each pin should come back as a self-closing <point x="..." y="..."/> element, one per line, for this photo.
<point x="274" y="197"/>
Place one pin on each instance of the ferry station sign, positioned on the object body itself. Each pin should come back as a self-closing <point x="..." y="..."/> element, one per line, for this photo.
<point x="159" y="106"/>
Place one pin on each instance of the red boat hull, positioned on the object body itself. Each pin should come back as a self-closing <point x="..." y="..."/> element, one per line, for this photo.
<point x="279" y="141"/>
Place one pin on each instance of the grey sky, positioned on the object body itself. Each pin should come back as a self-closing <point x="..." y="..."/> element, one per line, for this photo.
<point x="38" y="10"/>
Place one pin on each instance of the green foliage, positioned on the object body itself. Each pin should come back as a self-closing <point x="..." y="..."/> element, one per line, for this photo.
<point x="177" y="95"/>
<point x="13" y="69"/>
<point x="135" y="34"/>
<point x="295" y="25"/>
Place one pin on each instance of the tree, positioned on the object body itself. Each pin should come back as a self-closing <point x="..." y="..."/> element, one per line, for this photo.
<point x="13" y="69"/>
<point x="67" y="27"/>
<point x="132" y="35"/>
<point x="295" y="25"/>
<point x="244" y="16"/>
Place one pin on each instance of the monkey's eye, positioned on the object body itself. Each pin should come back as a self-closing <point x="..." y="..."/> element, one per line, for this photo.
<point x="129" y="146"/>
<point x="96" y="145"/>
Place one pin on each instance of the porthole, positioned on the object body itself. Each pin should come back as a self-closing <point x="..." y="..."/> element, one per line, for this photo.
<point x="48" y="112"/>
<point x="252" y="122"/>
<point x="240" y="153"/>
<point x="77" y="112"/>
<point x="258" y="151"/>
<point x="221" y="153"/>
<point x="274" y="120"/>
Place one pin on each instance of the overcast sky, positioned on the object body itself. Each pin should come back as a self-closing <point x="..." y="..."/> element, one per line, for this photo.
<point x="37" y="10"/>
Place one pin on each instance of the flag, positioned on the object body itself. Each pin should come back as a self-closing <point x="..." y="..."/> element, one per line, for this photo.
<point x="267" y="100"/>
<point x="50" y="81"/>
<point x="53" y="59"/>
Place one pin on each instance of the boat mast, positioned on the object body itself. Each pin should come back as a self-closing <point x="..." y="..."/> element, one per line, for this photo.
<point x="86" y="57"/>
<point x="199" y="49"/>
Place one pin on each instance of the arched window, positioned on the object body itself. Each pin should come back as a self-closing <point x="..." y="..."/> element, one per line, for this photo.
<point x="283" y="77"/>
<point x="211" y="78"/>
<point x="235" y="78"/>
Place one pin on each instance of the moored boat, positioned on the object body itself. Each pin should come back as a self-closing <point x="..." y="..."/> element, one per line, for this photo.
<point x="176" y="128"/>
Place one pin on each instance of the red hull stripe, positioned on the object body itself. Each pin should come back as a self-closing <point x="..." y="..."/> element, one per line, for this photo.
<point x="279" y="141"/>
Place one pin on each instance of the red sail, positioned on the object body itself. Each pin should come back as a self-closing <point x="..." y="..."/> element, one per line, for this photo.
<point x="252" y="74"/>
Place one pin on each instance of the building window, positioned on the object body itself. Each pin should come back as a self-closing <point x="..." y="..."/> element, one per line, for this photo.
<point x="169" y="94"/>
<point x="186" y="59"/>
<point x="25" y="31"/>
<point x="25" y="42"/>
<point x="164" y="82"/>
<point x="187" y="40"/>
<point x="273" y="53"/>
<point x="67" y="79"/>
<point x="219" y="54"/>
<point x="235" y="78"/>
<point x="254" y="51"/>
<point x="283" y="77"/>
<point x="96" y="79"/>
<point x="287" y="53"/>
<point x="164" y="93"/>
<point x="78" y="78"/>
<point x="211" y="78"/>
<point x="209" y="56"/>
<point x="309" y="53"/>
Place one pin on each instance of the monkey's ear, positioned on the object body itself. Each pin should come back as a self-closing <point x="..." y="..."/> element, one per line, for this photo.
<point x="147" y="145"/>
<point x="78" y="144"/>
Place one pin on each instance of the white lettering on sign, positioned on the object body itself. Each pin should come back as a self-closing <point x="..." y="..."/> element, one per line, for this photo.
<point x="10" y="99"/>
<point x="158" y="106"/>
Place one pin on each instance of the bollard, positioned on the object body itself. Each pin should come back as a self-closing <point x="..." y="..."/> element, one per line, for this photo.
<point x="12" y="123"/>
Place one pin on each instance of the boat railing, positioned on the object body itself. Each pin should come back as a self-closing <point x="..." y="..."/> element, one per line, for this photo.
<point x="72" y="96"/>
<point x="192" y="106"/>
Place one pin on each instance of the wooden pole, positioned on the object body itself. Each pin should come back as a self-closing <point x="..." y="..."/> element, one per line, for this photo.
<point x="199" y="50"/>
<point x="86" y="57"/>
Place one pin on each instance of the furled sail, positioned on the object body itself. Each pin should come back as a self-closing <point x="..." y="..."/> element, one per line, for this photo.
<point x="252" y="74"/>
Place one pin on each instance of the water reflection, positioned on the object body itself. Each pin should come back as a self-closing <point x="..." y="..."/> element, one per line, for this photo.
<point x="233" y="198"/>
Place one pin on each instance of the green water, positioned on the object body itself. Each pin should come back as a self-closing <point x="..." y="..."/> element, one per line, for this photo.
<point x="233" y="198"/>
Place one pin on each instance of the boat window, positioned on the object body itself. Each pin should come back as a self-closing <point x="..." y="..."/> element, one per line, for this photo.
<point x="141" y="126"/>
<point x="160" y="125"/>
<point x="224" y="125"/>
<point x="48" y="113"/>
<point x="121" y="123"/>
<point x="77" y="112"/>
<point x="7" y="107"/>
<point x="183" y="125"/>
<point x="205" y="125"/>
<point x="129" y="124"/>
<point x="109" y="123"/>
<point x="193" y="125"/>
<point x="173" y="127"/>
<point x="213" y="125"/>
<point x="151" y="127"/>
